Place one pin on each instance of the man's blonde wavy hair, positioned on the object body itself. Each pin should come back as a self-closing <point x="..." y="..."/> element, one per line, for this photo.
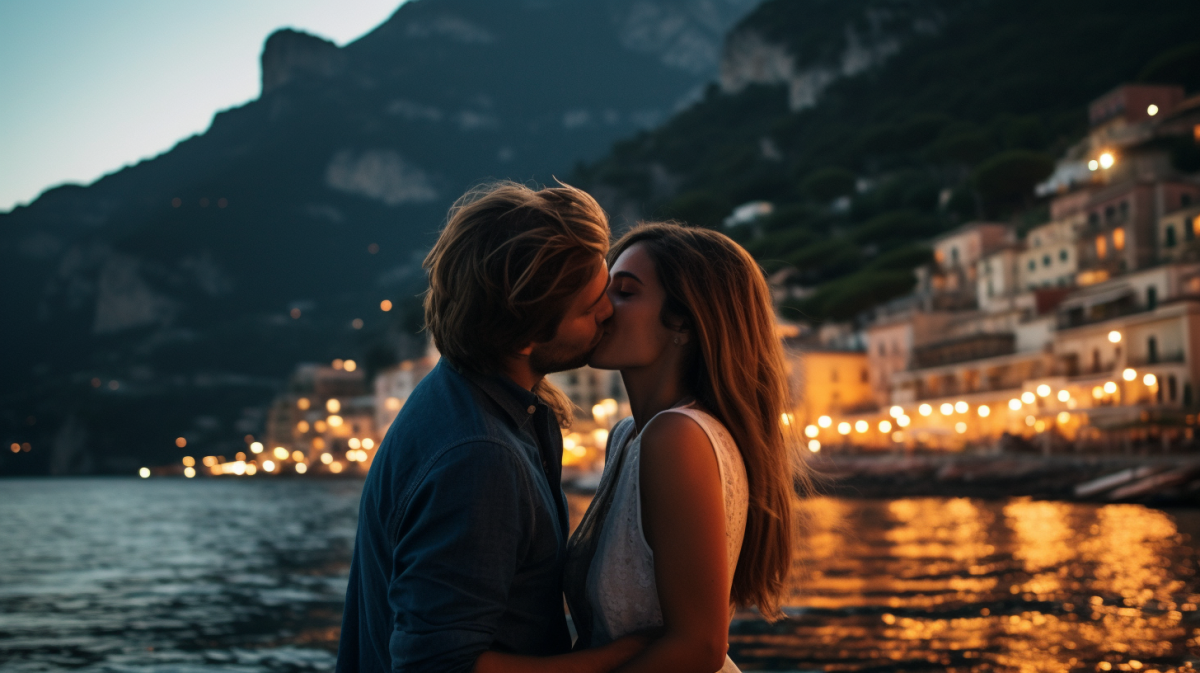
<point x="506" y="268"/>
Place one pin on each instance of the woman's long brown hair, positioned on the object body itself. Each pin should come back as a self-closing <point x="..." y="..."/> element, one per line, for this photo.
<point x="737" y="372"/>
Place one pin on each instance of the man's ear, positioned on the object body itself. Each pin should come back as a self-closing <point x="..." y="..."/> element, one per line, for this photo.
<point x="526" y="350"/>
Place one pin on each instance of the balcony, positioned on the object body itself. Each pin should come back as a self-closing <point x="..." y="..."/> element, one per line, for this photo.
<point x="1162" y="358"/>
<point x="964" y="349"/>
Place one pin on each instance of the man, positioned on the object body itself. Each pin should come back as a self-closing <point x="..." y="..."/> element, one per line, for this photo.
<point x="463" y="523"/>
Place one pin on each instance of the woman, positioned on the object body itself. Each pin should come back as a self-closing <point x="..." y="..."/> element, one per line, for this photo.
<point x="693" y="515"/>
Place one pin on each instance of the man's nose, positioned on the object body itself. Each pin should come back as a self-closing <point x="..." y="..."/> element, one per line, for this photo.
<point x="606" y="309"/>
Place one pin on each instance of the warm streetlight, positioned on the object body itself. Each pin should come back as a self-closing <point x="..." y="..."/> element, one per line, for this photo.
<point x="353" y="442"/>
<point x="333" y="406"/>
<point x="326" y="458"/>
<point x="351" y="365"/>
<point x="812" y="431"/>
<point x="885" y="426"/>
<point x="946" y="408"/>
<point x="960" y="427"/>
<point x="896" y="412"/>
<point x="1107" y="160"/>
<point x="961" y="407"/>
<point x="268" y="466"/>
<point x="1043" y="390"/>
<point x="861" y="426"/>
<point x="824" y="421"/>
<point x="844" y="428"/>
<point x="814" y="446"/>
<point x="280" y="453"/>
<point x="1114" y="337"/>
<point x="984" y="411"/>
<point x="189" y="472"/>
<point x="1129" y="374"/>
<point x="1097" y="392"/>
<point x="1149" y="379"/>
<point x="385" y="305"/>
<point x="903" y="421"/>
<point x="925" y="410"/>
<point x="301" y="468"/>
<point x="335" y="421"/>
<point x="1063" y="417"/>
<point x="303" y="403"/>
<point x="1028" y="397"/>
<point x="1110" y="387"/>
<point x="1014" y="404"/>
<point x="1063" y="396"/>
<point x="144" y="473"/>
<point x="1152" y="109"/>
<point x="1093" y="165"/>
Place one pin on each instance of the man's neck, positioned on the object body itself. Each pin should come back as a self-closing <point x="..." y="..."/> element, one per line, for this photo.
<point x="517" y="368"/>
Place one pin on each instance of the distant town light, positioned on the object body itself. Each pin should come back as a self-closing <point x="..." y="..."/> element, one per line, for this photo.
<point x="144" y="473"/>
<point x="326" y="458"/>
<point x="350" y="365"/>
<point x="1097" y="392"/>
<point x="903" y="421"/>
<point x="385" y="305"/>
<point x="268" y="466"/>
<point x="599" y="436"/>
<point x="188" y="461"/>
<point x="392" y="404"/>
<point x="1107" y="160"/>
<point x="295" y="313"/>
<point x="961" y="407"/>
<point x="280" y="453"/>
<point x="302" y="427"/>
<point x="368" y="443"/>
<point x="896" y="411"/>
<point x="335" y="467"/>
<point x="1149" y="379"/>
<point x="256" y="447"/>
<point x="357" y="323"/>
<point x="239" y="456"/>
<point x="1014" y="404"/>
<point x="332" y="405"/>
<point x="984" y="411"/>
<point x="189" y="472"/>
<point x="812" y="431"/>
<point x="947" y="408"/>
<point x="824" y="421"/>
<point x="897" y="436"/>
<point x="1043" y="390"/>
<point x="1063" y="417"/>
<point x="320" y="426"/>
<point x="1040" y="426"/>
<point x="960" y="427"/>
<point x="1063" y="396"/>
<point x="298" y="456"/>
<point x="354" y="442"/>
<point x="251" y="469"/>
<point x="301" y="468"/>
<point x="861" y="426"/>
<point x="1110" y="387"/>
<point x="1129" y="374"/>
<point x="814" y="445"/>
<point x="925" y="410"/>
<point x="885" y="427"/>
<point x="303" y="403"/>
<point x="1152" y="109"/>
<point x="1093" y="165"/>
<point x="1114" y="337"/>
<point x="844" y="428"/>
<point x="338" y="364"/>
<point x="1030" y="420"/>
<point x="180" y="442"/>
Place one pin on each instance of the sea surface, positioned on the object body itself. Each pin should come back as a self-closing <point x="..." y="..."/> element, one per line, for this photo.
<point x="248" y="575"/>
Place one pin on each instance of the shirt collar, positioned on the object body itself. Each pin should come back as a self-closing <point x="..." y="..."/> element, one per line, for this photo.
<point x="520" y="404"/>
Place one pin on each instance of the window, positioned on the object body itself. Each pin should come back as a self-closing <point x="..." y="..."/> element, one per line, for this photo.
<point x="1062" y="255"/>
<point x="991" y="290"/>
<point x="1124" y="209"/>
<point x="1110" y="214"/>
<point x="1118" y="239"/>
<point x="1037" y="242"/>
<point x="1095" y="360"/>
<point x="1185" y="200"/>
<point x="1172" y="388"/>
<point x="1170" y="236"/>
<point x="1101" y="247"/>
<point x="1151" y="350"/>
<point x="1094" y="221"/>
<point x="1152" y="298"/>
<point x="954" y="256"/>
<point x="1032" y="265"/>
<point x="1045" y="260"/>
<point x="864" y="376"/>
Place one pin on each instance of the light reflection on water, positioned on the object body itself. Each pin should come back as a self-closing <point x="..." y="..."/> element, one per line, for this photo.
<point x="204" y="575"/>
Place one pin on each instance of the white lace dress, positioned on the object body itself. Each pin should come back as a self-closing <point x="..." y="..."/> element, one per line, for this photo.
<point x="620" y="583"/>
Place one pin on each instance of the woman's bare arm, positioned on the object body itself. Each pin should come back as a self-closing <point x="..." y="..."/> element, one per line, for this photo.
<point x="683" y="517"/>
<point x="595" y="660"/>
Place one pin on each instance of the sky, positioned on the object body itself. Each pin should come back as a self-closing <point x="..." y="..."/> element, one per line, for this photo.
<point x="87" y="86"/>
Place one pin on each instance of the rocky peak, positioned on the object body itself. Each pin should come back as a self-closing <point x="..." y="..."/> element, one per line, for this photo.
<point x="291" y="54"/>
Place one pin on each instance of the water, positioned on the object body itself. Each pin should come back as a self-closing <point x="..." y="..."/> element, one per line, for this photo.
<point x="248" y="575"/>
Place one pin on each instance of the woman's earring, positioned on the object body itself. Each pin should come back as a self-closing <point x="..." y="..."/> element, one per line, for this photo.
<point x="676" y="339"/>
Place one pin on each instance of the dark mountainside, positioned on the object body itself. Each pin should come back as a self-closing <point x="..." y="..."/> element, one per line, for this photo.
<point x="157" y="302"/>
<point x="875" y="125"/>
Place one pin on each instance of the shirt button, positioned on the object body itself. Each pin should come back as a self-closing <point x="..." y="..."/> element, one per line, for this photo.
<point x="531" y="409"/>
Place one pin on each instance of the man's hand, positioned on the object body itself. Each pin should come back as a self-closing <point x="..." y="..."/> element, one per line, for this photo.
<point x="595" y="660"/>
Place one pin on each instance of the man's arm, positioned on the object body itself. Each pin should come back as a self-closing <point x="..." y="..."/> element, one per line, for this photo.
<point x="596" y="660"/>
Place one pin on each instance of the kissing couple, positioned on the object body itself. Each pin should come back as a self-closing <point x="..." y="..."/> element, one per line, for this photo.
<point x="462" y="557"/>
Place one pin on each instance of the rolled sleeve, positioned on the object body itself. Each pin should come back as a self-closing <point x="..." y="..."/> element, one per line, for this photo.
<point x="460" y="542"/>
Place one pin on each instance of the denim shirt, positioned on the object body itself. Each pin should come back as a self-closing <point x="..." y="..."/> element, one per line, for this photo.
<point x="461" y="532"/>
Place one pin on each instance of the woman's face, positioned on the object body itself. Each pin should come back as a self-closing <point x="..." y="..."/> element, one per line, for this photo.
<point x="635" y="335"/>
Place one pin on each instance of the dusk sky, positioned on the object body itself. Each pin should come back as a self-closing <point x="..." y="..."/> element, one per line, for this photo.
<point x="90" y="87"/>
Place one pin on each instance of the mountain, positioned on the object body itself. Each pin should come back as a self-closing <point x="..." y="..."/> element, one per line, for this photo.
<point x="172" y="298"/>
<point x="873" y="125"/>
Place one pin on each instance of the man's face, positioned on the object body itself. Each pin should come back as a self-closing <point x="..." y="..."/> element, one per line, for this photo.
<point x="580" y="330"/>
